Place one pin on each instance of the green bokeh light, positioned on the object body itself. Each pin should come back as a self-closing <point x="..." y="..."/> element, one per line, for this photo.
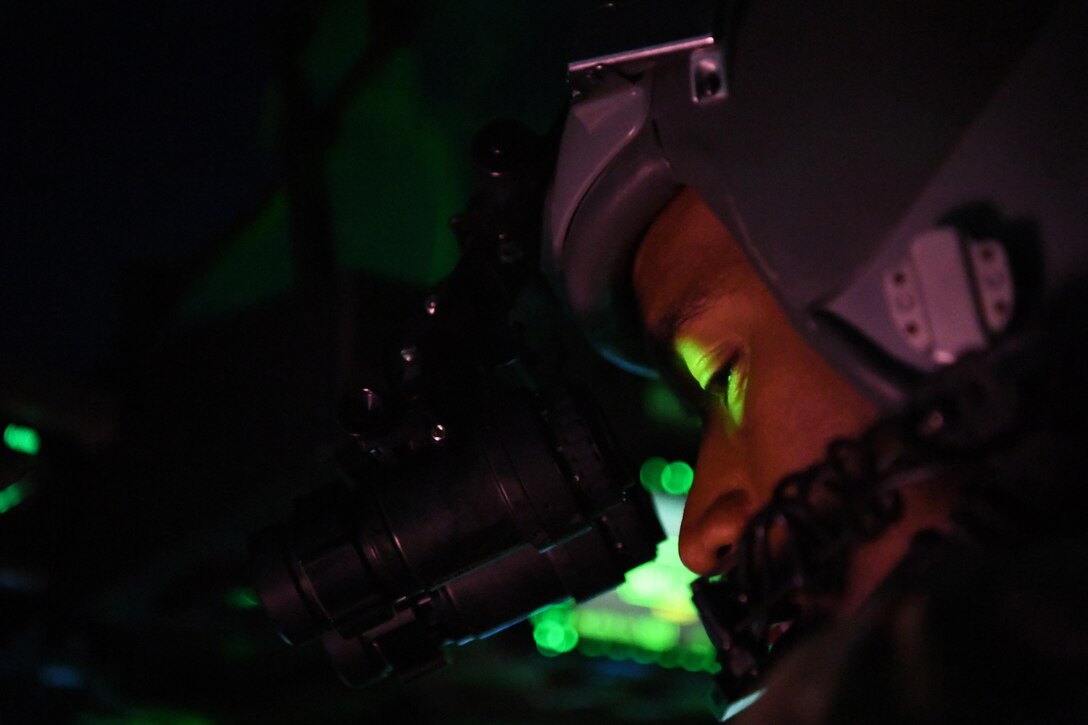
<point x="22" y="439"/>
<point x="656" y="635"/>
<point x="650" y="473"/>
<point x="12" y="496"/>
<point x="553" y="636"/>
<point x="659" y="476"/>
<point x="662" y="585"/>
<point x="677" y="477"/>
<point x="617" y="635"/>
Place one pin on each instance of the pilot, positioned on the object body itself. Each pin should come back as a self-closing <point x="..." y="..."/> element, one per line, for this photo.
<point x="834" y="228"/>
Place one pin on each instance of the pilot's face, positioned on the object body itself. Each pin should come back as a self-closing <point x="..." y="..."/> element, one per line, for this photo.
<point x="771" y="403"/>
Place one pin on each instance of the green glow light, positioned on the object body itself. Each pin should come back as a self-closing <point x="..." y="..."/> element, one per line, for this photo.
<point x="242" y="598"/>
<point x="662" y="585"/>
<point x="552" y="636"/>
<point x="677" y="477"/>
<point x="656" y="635"/>
<point x="640" y="631"/>
<point x="661" y="405"/>
<point x="649" y="474"/>
<point x="641" y="637"/>
<point x="22" y="439"/>
<point x="12" y="496"/>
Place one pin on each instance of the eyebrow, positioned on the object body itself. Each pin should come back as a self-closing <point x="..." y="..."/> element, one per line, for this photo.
<point x="665" y="330"/>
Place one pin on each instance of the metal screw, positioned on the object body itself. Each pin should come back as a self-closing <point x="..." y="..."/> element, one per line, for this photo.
<point x="431" y="305"/>
<point x="438" y="433"/>
<point x="408" y="354"/>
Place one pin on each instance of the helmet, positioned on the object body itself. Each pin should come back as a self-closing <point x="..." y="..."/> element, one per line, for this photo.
<point x="908" y="177"/>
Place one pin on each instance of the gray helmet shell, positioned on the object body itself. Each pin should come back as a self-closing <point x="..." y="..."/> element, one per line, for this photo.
<point x="904" y="175"/>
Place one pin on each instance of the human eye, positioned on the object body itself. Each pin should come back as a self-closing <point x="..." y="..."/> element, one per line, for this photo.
<point x="717" y="385"/>
<point x="724" y="391"/>
<point x="717" y="373"/>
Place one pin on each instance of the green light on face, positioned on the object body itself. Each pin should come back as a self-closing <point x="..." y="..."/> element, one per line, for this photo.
<point x="677" y="477"/>
<point x="697" y="359"/>
<point x="703" y="365"/>
<point x="12" y="496"/>
<point x="22" y="439"/>
<point x="734" y="398"/>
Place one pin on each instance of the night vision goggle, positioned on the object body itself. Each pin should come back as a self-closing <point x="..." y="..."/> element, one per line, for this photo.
<point x="884" y="199"/>
<point x="475" y="488"/>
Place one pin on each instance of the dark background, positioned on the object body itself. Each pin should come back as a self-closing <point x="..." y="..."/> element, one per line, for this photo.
<point x="212" y="214"/>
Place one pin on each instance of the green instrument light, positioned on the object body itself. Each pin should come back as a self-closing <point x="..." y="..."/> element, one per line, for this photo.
<point x="553" y="636"/>
<point x="650" y="620"/>
<point x="22" y="439"/>
<point x="621" y="636"/>
<point x="658" y="475"/>
<point x="662" y="585"/>
<point x="677" y="477"/>
<point x="650" y="473"/>
<point x="656" y="635"/>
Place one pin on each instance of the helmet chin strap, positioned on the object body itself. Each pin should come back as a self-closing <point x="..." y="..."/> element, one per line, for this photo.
<point x="791" y="562"/>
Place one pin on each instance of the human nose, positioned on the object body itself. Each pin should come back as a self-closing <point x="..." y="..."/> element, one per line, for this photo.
<point x="719" y="504"/>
